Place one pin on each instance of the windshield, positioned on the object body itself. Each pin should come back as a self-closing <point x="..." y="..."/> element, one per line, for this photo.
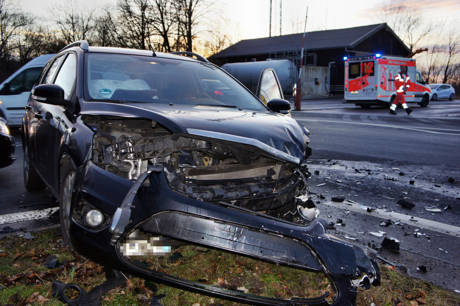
<point x="141" y="79"/>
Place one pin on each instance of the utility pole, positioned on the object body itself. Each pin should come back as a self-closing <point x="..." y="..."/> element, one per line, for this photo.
<point x="270" y="25"/>
<point x="281" y="17"/>
<point x="298" y="93"/>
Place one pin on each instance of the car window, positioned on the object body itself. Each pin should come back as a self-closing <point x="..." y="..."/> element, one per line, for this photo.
<point x="444" y="87"/>
<point x="354" y="70"/>
<point x="434" y="86"/>
<point x="51" y="73"/>
<point x="24" y="80"/>
<point x="67" y="75"/>
<point x="269" y="88"/>
<point x="143" y="79"/>
<point x="419" y="78"/>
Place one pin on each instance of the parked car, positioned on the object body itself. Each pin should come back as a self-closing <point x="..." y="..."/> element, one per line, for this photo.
<point x="442" y="91"/>
<point x="15" y="90"/>
<point x="145" y="159"/>
<point x="6" y="145"/>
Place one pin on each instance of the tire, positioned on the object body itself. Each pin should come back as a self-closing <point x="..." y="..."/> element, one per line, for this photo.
<point x="65" y="205"/>
<point x="32" y="181"/>
<point x="434" y="98"/>
<point x="425" y="101"/>
<point x="451" y="97"/>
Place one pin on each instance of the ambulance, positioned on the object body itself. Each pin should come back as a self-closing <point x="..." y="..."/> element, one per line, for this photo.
<point x="370" y="80"/>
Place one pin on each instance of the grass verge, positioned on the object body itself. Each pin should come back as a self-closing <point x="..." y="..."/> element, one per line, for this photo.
<point x="24" y="279"/>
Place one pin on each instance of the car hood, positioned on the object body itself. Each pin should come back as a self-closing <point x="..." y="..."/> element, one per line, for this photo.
<point x="277" y="134"/>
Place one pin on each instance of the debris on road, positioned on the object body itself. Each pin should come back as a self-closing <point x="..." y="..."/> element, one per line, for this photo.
<point x="338" y="199"/>
<point x="351" y="238"/>
<point x="401" y="173"/>
<point x="340" y="222"/>
<point x="391" y="244"/>
<point x="433" y="209"/>
<point x="330" y="226"/>
<point x="386" y="223"/>
<point x="451" y="180"/>
<point x="422" y="269"/>
<point x="316" y="172"/>
<point x="322" y="184"/>
<point x="406" y="204"/>
<point x="411" y="182"/>
<point x="378" y="234"/>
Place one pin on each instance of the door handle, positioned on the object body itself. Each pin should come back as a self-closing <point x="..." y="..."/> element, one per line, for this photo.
<point x="38" y="115"/>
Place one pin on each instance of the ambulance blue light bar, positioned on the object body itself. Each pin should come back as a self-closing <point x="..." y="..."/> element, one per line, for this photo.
<point x="345" y="58"/>
<point x="378" y="55"/>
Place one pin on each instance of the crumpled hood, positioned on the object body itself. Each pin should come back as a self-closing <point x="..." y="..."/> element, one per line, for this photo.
<point x="277" y="134"/>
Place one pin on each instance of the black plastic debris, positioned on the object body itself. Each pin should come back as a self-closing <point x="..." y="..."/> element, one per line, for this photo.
<point x="391" y="244"/>
<point x="437" y="185"/>
<point x="79" y="296"/>
<point x="386" y="223"/>
<point x="411" y="182"/>
<point x="338" y="199"/>
<point x="340" y="222"/>
<point x="401" y="173"/>
<point x="322" y="197"/>
<point x="451" y="180"/>
<point x="422" y="269"/>
<point x="330" y="226"/>
<point x="52" y="262"/>
<point x="370" y="209"/>
<point x="406" y="204"/>
<point x="316" y="172"/>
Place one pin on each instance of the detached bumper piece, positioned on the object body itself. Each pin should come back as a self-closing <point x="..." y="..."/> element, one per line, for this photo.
<point x="183" y="231"/>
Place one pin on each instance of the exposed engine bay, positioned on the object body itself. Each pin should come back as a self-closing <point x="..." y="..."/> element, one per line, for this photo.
<point x="208" y="170"/>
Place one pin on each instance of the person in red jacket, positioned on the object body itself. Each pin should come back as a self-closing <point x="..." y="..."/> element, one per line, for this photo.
<point x="402" y="84"/>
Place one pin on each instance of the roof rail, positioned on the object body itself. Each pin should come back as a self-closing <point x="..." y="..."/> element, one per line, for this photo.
<point x="83" y="44"/>
<point x="192" y="55"/>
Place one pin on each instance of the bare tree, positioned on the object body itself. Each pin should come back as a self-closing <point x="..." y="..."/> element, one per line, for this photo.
<point x="164" y="22"/>
<point x="36" y="41"/>
<point x="135" y="27"/>
<point x="12" y="22"/>
<point x="75" y="25"/>
<point x="105" y="28"/>
<point x="217" y="42"/>
<point x="452" y="51"/>
<point x="188" y="15"/>
<point x="408" y="24"/>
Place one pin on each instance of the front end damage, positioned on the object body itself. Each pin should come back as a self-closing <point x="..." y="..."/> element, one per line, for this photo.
<point x="166" y="194"/>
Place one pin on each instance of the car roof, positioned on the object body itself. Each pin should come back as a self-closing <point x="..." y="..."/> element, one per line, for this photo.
<point x="127" y="51"/>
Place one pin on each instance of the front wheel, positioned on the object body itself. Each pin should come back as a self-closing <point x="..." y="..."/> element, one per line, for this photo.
<point x="32" y="181"/>
<point x="425" y="101"/>
<point x="67" y="186"/>
<point x="434" y="98"/>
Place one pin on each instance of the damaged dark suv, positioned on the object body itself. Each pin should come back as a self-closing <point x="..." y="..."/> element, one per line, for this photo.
<point x="151" y="153"/>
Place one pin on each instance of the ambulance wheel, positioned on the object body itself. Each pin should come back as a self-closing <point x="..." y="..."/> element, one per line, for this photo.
<point x="425" y="101"/>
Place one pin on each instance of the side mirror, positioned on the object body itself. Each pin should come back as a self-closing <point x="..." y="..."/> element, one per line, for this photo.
<point x="279" y="106"/>
<point x="50" y="94"/>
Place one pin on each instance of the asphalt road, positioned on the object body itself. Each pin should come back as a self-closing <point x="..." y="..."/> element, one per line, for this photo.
<point x="367" y="156"/>
<point x="374" y="159"/>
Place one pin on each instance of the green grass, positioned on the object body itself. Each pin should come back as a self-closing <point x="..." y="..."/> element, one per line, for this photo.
<point x="24" y="279"/>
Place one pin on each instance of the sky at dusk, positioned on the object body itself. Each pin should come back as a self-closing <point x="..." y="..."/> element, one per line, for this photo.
<point x="242" y="19"/>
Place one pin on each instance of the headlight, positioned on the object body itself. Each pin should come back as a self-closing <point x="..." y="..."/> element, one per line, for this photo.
<point x="3" y="128"/>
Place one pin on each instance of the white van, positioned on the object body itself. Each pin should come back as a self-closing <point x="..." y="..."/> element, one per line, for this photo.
<point x="15" y="90"/>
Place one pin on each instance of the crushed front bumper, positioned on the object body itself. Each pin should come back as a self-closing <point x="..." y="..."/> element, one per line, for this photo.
<point x="151" y="205"/>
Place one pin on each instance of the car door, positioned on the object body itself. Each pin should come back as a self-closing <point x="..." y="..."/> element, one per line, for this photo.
<point x="269" y="87"/>
<point x="443" y="92"/>
<point x="49" y="130"/>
